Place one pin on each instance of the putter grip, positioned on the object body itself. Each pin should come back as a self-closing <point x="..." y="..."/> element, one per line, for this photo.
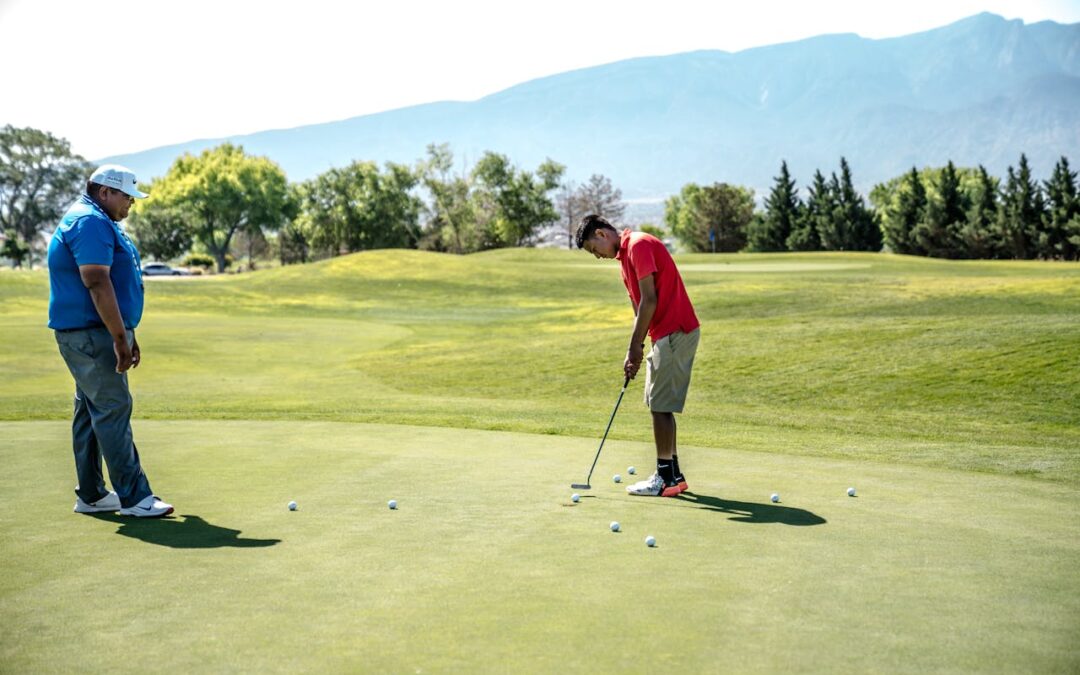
<point x="626" y="383"/>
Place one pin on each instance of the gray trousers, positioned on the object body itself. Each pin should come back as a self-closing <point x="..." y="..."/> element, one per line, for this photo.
<point x="102" y="422"/>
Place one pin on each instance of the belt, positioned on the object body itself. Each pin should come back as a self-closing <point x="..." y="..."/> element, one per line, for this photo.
<point x="72" y="330"/>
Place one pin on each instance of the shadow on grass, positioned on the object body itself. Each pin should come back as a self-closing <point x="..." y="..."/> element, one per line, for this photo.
<point x="751" y="512"/>
<point x="191" y="532"/>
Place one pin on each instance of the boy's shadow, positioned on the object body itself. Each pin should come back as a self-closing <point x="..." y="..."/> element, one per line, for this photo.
<point x="751" y="512"/>
<point x="191" y="532"/>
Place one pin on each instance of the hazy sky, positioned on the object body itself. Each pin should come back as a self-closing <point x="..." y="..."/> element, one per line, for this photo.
<point x="127" y="75"/>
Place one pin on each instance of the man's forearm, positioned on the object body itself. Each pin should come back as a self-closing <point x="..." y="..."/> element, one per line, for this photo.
<point x="644" y="317"/>
<point x="104" y="297"/>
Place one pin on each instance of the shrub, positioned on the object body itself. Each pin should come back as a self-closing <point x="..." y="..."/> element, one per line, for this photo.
<point x="199" y="260"/>
<point x="649" y="228"/>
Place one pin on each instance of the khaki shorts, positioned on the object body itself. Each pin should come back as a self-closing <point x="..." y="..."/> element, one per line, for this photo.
<point x="667" y="371"/>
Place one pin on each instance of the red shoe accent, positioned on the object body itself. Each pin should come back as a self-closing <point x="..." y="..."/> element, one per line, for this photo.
<point x="671" y="491"/>
<point x="683" y="487"/>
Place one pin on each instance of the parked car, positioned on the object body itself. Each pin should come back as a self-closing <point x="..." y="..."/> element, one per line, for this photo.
<point x="156" y="269"/>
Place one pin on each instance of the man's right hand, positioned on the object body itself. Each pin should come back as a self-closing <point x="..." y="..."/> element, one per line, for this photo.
<point x="123" y="354"/>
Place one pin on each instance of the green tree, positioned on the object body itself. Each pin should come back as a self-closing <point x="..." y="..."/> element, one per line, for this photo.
<point x="14" y="249"/>
<point x="39" y="178"/>
<point x="852" y="226"/>
<point x="510" y="204"/>
<point x="711" y="218"/>
<point x="1060" y="234"/>
<point x="782" y="211"/>
<point x="160" y="231"/>
<point x="1020" y="215"/>
<point x="938" y="233"/>
<point x="358" y="208"/>
<point x="978" y="233"/>
<point x="902" y="208"/>
<point x="220" y="192"/>
<point x="818" y="209"/>
<point x="451" y="225"/>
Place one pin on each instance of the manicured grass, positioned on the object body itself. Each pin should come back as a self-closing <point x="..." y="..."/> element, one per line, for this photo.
<point x="474" y="389"/>
<point x="487" y="566"/>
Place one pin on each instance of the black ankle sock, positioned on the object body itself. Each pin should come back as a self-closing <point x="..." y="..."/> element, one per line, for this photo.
<point x="675" y="466"/>
<point x="666" y="469"/>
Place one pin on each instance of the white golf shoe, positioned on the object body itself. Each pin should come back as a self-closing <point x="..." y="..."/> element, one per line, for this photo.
<point x="653" y="486"/>
<point x="107" y="504"/>
<point x="151" y="507"/>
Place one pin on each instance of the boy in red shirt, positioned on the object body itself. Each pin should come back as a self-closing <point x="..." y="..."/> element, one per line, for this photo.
<point x="663" y="310"/>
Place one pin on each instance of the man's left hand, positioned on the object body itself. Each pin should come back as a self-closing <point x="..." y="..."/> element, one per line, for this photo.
<point x="136" y="353"/>
<point x="634" y="355"/>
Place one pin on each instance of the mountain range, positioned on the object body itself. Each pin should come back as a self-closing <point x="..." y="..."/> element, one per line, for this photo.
<point x="978" y="91"/>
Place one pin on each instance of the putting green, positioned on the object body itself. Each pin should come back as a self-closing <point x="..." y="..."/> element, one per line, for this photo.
<point x="488" y="567"/>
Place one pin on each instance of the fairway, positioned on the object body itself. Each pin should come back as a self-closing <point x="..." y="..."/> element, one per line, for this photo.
<point x="474" y="389"/>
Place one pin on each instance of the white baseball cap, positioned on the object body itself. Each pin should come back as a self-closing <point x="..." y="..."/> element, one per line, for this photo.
<point x="118" y="178"/>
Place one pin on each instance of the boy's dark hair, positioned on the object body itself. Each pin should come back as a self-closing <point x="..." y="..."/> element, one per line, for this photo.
<point x="590" y="224"/>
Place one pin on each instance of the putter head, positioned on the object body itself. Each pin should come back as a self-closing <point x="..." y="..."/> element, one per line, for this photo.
<point x="581" y="486"/>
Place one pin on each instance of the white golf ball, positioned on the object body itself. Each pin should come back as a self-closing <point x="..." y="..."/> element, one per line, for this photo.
<point x="614" y="526"/>
<point x="617" y="478"/>
<point x="775" y="498"/>
<point x="392" y="504"/>
<point x="631" y="470"/>
<point x="575" y="497"/>
<point x="650" y="541"/>
<point x="851" y="492"/>
<point x="292" y="506"/>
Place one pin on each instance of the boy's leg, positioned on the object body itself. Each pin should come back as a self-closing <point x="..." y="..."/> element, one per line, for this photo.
<point x="667" y="381"/>
<point x="679" y="477"/>
<point x="664" y="434"/>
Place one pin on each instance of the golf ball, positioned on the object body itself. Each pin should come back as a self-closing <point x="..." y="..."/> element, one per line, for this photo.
<point x="775" y="498"/>
<point x="617" y="478"/>
<point x="851" y="492"/>
<point x="392" y="504"/>
<point x="575" y="497"/>
<point x="650" y="541"/>
<point x="614" y="526"/>
<point x="631" y="470"/>
<point x="292" y="506"/>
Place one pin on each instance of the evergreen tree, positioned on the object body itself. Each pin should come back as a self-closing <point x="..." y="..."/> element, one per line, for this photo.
<point x="1020" y="215"/>
<point x="903" y="211"/>
<point x="804" y="234"/>
<point x="782" y="209"/>
<point x="977" y="236"/>
<point x="853" y="226"/>
<point x="938" y="233"/>
<point x="1060" y="235"/>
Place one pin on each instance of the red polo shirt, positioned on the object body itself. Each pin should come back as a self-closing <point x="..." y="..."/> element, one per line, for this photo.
<point x="642" y="254"/>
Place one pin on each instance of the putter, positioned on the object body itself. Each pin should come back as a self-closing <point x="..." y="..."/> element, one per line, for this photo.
<point x="586" y="485"/>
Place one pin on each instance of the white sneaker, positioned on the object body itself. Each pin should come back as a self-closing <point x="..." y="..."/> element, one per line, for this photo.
<point x="107" y="504"/>
<point x="151" y="507"/>
<point x="653" y="486"/>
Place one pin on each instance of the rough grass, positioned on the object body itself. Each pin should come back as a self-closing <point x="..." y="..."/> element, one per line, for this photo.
<point x="972" y="365"/>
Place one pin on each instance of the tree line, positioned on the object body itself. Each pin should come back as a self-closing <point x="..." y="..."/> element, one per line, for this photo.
<point x="224" y="201"/>
<point x="944" y="212"/>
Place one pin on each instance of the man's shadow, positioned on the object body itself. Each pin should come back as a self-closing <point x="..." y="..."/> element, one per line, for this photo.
<point x="191" y="532"/>
<point x="751" y="512"/>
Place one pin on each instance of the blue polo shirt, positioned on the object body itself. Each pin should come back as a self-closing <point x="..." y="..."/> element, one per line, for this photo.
<point x="87" y="236"/>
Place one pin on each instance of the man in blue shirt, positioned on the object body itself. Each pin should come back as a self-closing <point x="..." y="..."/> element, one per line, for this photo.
<point x="95" y="304"/>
